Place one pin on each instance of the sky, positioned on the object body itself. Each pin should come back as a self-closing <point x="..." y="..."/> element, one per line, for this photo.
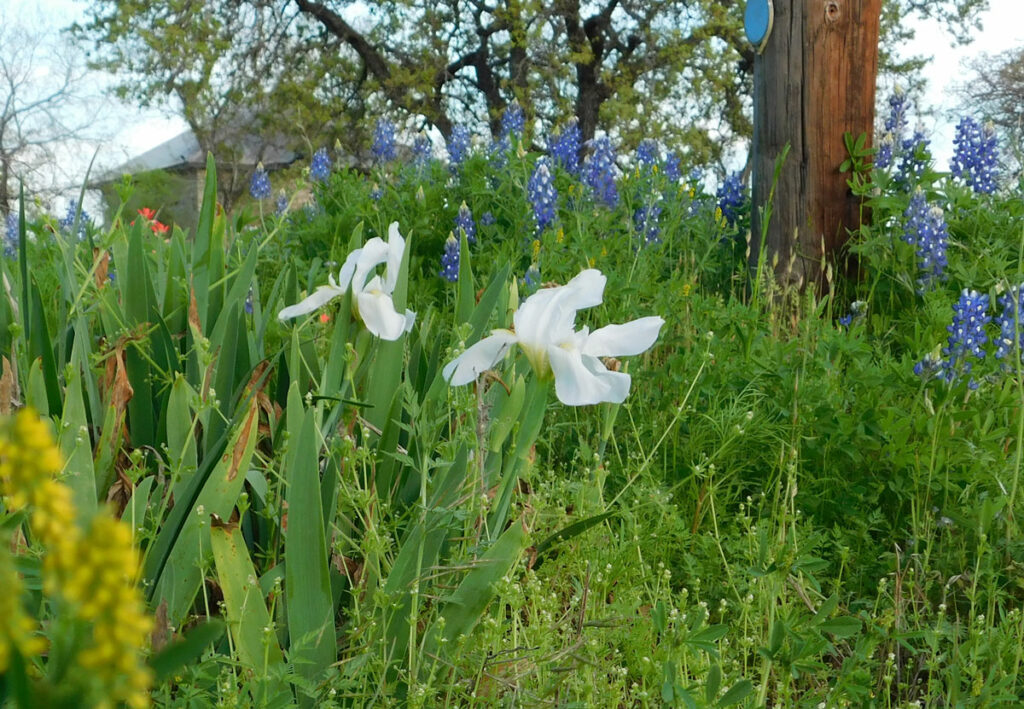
<point x="1002" y="28"/>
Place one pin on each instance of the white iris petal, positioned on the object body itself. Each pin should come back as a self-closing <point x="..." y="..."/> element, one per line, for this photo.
<point x="478" y="358"/>
<point x="372" y="294"/>
<point x="544" y="329"/>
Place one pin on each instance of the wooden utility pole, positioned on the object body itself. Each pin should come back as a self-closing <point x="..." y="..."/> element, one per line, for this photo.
<point x="813" y="82"/>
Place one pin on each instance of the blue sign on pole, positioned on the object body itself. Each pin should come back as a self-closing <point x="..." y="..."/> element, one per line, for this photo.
<point x="758" y="22"/>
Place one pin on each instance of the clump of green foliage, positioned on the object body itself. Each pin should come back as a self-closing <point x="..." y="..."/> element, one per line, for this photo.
<point x="782" y="512"/>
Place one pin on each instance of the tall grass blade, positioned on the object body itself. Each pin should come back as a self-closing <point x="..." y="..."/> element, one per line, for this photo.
<point x="308" y="597"/>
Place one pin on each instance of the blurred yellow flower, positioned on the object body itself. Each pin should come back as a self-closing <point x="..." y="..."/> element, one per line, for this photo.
<point x="94" y="573"/>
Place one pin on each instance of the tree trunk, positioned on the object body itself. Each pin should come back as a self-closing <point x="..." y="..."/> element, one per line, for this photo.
<point x="5" y="196"/>
<point x="814" y="82"/>
<point x="588" y="100"/>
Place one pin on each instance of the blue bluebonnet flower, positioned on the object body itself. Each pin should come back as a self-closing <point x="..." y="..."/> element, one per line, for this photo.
<point x="531" y="279"/>
<point x="647" y="153"/>
<point x="248" y="302"/>
<point x="564" y="147"/>
<point x="645" y="222"/>
<point x="542" y="195"/>
<point x="909" y="155"/>
<point x="987" y="166"/>
<point x="928" y="367"/>
<point x="896" y="122"/>
<point x="884" y="156"/>
<point x="731" y="197"/>
<point x="513" y="120"/>
<point x="670" y="166"/>
<point x="422" y="151"/>
<point x="450" y="260"/>
<point x="966" y="140"/>
<point x="487" y="219"/>
<point x="926" y="230"/>
<point x="913" y="157"/>
<point x="464" y="221"/>
<point x="376" y="192"/>
<point x="599" y="171"/>
<point x="1011" y="322"/>
<point x="383" y="147"/>
<point x="259" y="184"/>
<point x="281" y="205"/>
<point x="320" y="166"/>
<point x="68" y="221"/>
<point x="858" y="309"/>
<point x="458" y="145"/>
<point x="976" y="155"/>
<point x="966" y="336"/>
<point x="11" y="234"/>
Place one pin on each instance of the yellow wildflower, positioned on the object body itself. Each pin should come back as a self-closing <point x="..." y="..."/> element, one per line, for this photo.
<point x="107" y="595"/>
<point x="536" y="248"/>
<point x="28" y="459"/>
<point x="94" y="573"/>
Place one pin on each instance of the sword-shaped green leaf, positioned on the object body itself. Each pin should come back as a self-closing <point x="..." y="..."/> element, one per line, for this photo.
<point x="255" y="643"/>
<point x="307" y="581"/>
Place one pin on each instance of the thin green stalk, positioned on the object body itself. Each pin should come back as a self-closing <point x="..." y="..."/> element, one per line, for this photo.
<point x="718" y="537"/>
<point x="1019" y="366"/>
<point x="675" y="419"/>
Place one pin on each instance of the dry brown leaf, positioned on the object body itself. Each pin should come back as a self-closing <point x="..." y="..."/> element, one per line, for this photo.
<point x="102" y="266"/>
<point x="193" y="310"/>
<point x="352" y="568"/>
<point x="161" y="628"/>
<point x="253" y="389"/>
<point x="217" y="523"/>
<point x="8" y="388"/>
<point x="120" y="493"/>
<point x="115" y="381"/>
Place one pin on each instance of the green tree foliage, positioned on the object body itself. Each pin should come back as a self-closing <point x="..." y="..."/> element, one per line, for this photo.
<point x="675" y="70"/>
<point x="247" y="68"/>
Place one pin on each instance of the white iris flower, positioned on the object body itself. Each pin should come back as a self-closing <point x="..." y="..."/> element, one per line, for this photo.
<point x="544" y="329"/>
<point x="371" y="297"/>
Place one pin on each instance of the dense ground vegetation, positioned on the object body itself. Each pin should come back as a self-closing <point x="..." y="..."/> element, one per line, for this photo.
<point x="804" y="501"/>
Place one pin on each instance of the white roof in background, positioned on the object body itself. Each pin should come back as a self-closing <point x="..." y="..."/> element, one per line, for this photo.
<point x="184" y="151"/>
<point x="181" y="150"/>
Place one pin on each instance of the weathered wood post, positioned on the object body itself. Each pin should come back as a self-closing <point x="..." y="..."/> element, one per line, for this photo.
<point x="814" y="80"/>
